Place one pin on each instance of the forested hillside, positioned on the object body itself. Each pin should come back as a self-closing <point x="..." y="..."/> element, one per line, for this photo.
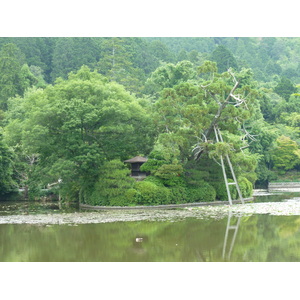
<point x="74" y="108"/>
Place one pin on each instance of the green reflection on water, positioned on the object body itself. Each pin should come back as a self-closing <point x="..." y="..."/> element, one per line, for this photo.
<point x="259" y="238"/>
<point x="33" y="207"/>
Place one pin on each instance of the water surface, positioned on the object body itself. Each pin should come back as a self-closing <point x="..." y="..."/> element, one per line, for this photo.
<point x="182" y="236"/>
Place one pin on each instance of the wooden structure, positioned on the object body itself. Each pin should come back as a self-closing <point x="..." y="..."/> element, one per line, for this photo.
<point x="227" y="183"/>
<point x="136" y="163"/>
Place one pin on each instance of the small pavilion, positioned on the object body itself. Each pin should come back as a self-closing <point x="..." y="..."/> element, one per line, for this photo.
<point x="136" y="163"/>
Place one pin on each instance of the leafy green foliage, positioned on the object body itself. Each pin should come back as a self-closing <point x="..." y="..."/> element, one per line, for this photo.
<point x="148" y="193"/>
<point x="156" y="180"/>
<point x="286" y="155"/>
<point x="169" y="75"/>
<point x="245" y="186"/>
<point x="221" y="191"/>
<point x="179" y="194"/>
<point x="68" y="129"/>
<point x="204" y="192"/>
<point x="285" y="88"/>
<point x="224" y="59"/>
<point x="14" y="79"/>
<point x="169" y="171"/>
<point x="7" y="184"/>
<point x="116" y="63"/>
<point x="114" y="181"/>
<point x="70" y="53"/>
<point x="78" y="121"/>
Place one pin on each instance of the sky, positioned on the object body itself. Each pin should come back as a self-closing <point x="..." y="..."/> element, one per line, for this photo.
<point x="149" y="18"/>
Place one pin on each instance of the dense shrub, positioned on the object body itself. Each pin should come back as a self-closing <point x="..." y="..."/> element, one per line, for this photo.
<point x="221" y="193"/>
<point x="155" y="160"/>
<point x="175" y="181"/>
<point x="246" y="187"/>
<point x="131" y="196"/>
<point x="121" y="200"/>
<point x="155" y="180"/>
<point x="149" y="193"/>
<point x="195" y="177"/>
<point x="171" y="181"/>
<point x="204" y="192"/>
<point x="168" y="171"/>
<point x="179" y="194"/>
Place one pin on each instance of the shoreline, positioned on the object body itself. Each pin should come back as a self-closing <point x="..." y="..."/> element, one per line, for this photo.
<point x="163" y="206"/>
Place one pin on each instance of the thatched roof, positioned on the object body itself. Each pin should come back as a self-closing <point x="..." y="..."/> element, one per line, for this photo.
<point x="136" y="159"/>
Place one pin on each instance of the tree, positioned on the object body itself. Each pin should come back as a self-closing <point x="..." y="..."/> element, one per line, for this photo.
<point x="273" y="68"/>
<point x="38" y="73"/>
<point x="169" y="75"/>
<point x="224" y="59"/>
<point x="161" y="51"/>
<point x="285" y="88"/>
<point x="76" y="125"/>
<point x="182" y="55"/>
<point x="38" y="51"/>
<point x="11" y="60"/>
<point x="114" y="181"/>
<point x="263" y="143"/>
<point x="116" y="63"/>
<point x="15" y="75"/>
<point x="27" y="79"/>
<point x="7" y="184"/>
<point x="70" y="53"/>
<point x="187" y="113"/>
<point x="227" y="95"/>
<point x="286" y="156"/>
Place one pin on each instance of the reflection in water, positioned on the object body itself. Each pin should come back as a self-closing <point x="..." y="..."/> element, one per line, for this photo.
<point x="229" y="228"/>
<point x="237" y="239"/>
<point x="254" y="238"/>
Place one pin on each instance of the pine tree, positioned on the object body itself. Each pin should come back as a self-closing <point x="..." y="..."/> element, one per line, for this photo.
<point x="11" y="60"/>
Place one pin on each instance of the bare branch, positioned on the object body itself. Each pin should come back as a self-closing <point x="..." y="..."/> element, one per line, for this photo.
<point x="212" y="80"/>
<point x="232" y="75"/>
<point x="216" y="161"/>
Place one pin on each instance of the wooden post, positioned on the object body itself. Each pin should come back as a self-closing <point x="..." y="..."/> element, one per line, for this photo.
<point x="223" y="169"/>
<point x="218" y="139"/>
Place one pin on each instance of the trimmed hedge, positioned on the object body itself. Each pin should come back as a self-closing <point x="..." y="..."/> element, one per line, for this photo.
<point x="148" y="193"/>
<point x="204" y="193"/>
<point x="179" y="194"/>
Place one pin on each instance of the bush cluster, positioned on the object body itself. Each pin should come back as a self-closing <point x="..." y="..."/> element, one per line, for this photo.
<point x="152" y="192"/>
<point x="203" y="193"/>
<point x="116" y="188"/>
<point x="148" y="193"/>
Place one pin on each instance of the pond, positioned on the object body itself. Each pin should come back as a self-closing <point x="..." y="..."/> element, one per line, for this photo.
<point x="266" y="230"/>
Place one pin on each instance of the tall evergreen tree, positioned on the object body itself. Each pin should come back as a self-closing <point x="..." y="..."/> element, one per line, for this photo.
<point x="11" y="60"/>
<point x="116" y="63"/>
<point x="70" y="53"/>
<point x="285" y="88"/>
<point x="6" y="168"/>
<point x="224" y="59"/>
